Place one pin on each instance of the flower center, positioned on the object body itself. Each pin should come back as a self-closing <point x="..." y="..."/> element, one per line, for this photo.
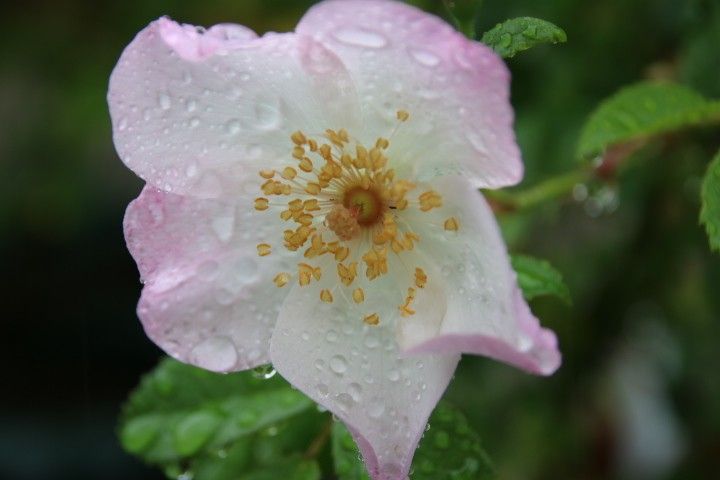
<point x="365" y="204"/>
<point x="346" y="204"/>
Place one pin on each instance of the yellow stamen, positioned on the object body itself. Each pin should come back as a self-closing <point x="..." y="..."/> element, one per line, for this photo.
<point x="326" y="296"/>
<point x="358" y="295"/>
<point x="372" y="319"/>
<point x="452" y="224"/>
<point x="281" y="279"/>
<point x="263" y="249"/>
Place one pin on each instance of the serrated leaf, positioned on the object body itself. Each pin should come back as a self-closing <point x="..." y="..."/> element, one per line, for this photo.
<point x="449" y="450"/>
<point x="537" y="277"/>
<point x="180" y="411"/>
<point x="518" y="34"/>
<point x="641" y="111"/>
<point x="710" y="196"/>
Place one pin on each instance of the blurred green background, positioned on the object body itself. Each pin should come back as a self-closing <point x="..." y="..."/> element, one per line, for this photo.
<point x="638" y="396"/>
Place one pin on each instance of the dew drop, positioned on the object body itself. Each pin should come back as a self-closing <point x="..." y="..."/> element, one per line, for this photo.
<point x="233" y="127"/>
<point x="267" y="116"/>
<point x="338" y="364"/>
<point x="217" y="354"/>
<point x="345" y="401"/>
<point x="424" y="57"/>
<point x="376" y="408"/>
<point x="322" y="389"/>
<point x="164" y="101"/>
<point x="331" y="336"/>
<point x="360" y="38"/>
<point x="393" y="375"/>
<point x="477" y="143"/>
<point x="223" y="227"/>
<point x="191" y="106"/>
<point x="191" y="170"/>
<point x="122" y="124"/>
<point x="355" y="391"/>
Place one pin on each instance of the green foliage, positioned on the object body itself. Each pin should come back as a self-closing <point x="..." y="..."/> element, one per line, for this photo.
<point x="710" y="194"/>
<point x="642" y="110"/>
<point x="463" y="14"/>
<point x="522" y="33"/>
<point x="449" y="450"/>
<point x="218" y="426"/>
<point x="537" y="277"/>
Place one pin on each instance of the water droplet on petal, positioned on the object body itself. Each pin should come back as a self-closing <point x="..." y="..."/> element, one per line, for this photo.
<point x="355" y="391"/>
<point x="217" y="354"/>
<point x="331" y="336"/>
<point x="322" y="389"/>
<point x="393" y="375"/>
<point x="223" y="227"/>
<point x="360" y="38"/>
<point x="232" y="127"/>
<point x="424" y="57"/>
<point x="345" y="401"/>
<point x="164" y="101"/>
<point x="338" y="364"/>
<point x="376" y="408"/>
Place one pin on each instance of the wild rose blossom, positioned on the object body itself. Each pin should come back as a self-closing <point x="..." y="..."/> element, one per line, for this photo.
<point x="312" y="201"/>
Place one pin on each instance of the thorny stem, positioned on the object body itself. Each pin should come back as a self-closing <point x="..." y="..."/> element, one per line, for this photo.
<point x="319" y="441"/>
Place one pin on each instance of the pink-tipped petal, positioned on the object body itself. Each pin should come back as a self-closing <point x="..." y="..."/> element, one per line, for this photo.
<point x="208" y="298"/>
<point x="196" y="112"/>
<point x="486" y="313"/>
<point x="355" y="370"/>
<point x="456" y="90"/>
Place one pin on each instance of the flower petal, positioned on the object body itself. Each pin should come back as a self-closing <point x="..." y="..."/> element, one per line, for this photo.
<point x="208" y="298"/>
<point x="455" y="90"/>
<point x="197" y="112"/>
<point x="486" y="313"/>
<point x="354" y="370"/>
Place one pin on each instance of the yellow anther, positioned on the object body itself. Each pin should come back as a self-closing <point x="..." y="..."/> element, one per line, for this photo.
<point x="286" y="214"/>
<point x="382" y="143"/>
<point x="405" y="309"/>
<point x="402" y="115"/>
<point x="313" y="188"/>
<point x="358" y="295"/>
<point x="420" y="278"/>
<point x="311" y="205"/>
<point x="372" y="319"/>
<point x="326" y="296"/>
<point x="347" y="274"/>
<point x="317" y="273"/>
<point x="452" y="224"/>
<point x="305" y="219"/>
<point x="312" y="145"/>
<point x="306" y="165"/>
<point x="263" y="249"/>
<point x="298" y="152"/>
<point x="341" y="253"/>
<point x="298" y="138"/>
<point x="281" y="279"/>
<point x="429" y="200"/>
<point x="261" y="204"/>
<point x="289" y="173"/>
<point x="268" y="174"/>
<point x="343" y="134"/>
<point x="305" y="274"/>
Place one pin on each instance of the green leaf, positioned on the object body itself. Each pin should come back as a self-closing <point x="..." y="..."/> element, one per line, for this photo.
<point x="537" y="277"/>
<point x="643" y="110"/>
<point x="449" y="450"/>
<point x="522" y="33"/>
<point x="346" y="457"/>
<point x="180" y="413"/>
<point x="710" y="196"/>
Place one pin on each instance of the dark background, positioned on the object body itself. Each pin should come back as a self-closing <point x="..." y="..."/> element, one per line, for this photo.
<point x="638" y="395"/>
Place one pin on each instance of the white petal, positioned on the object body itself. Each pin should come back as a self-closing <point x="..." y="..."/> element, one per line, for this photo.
<point x="355" y="371"/>
<point x="208" y="298"/>
<point x="196" y="113"/>
<point x="456" y="90"/>
<point x="486" y="313"/>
